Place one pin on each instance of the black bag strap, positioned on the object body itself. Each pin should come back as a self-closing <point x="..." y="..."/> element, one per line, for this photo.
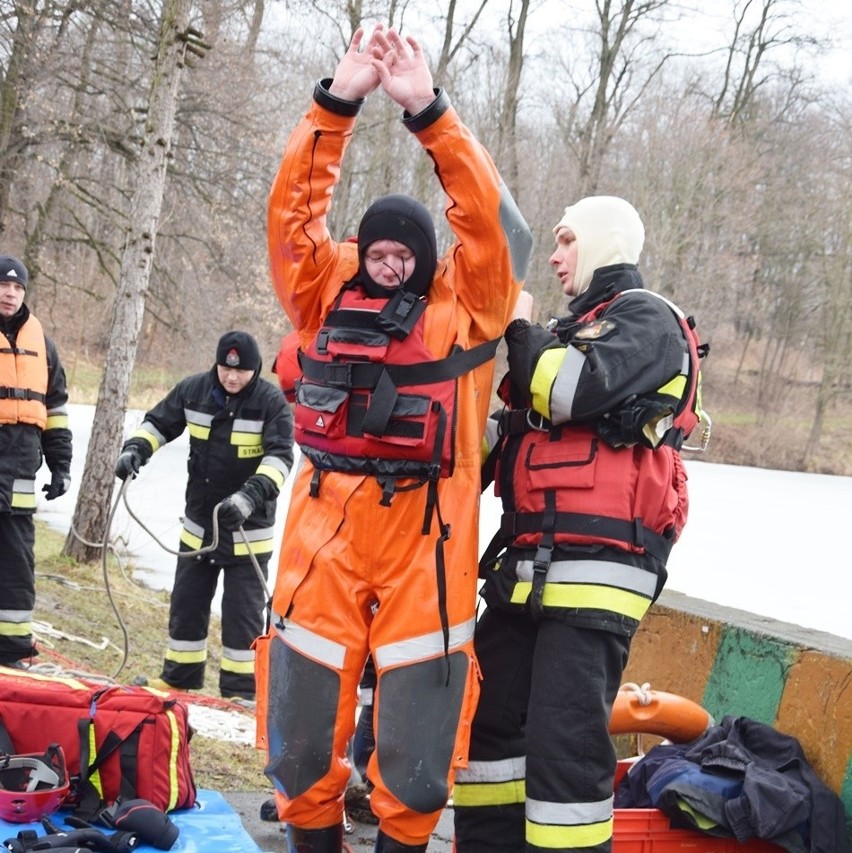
<point x="6" y="744"/>
<point x="91" y="801"/>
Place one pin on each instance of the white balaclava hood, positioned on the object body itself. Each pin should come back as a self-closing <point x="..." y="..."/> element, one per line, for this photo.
<point x="608" y="231"/>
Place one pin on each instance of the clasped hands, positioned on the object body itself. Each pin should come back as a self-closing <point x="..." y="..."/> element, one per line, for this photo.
<point x="389" y="61"/>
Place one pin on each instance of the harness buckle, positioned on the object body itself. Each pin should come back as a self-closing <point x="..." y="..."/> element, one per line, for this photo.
<point x="543" y="424"/>
<point x="339" y="374"/>
<point x="543" y="558"/>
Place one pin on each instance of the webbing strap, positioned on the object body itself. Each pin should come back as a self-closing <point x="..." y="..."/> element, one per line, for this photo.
<point x="362" y="374"/>
<point x="7" y="393"/>
<point x="513" y="524"/>
<point x="382" y="402"/>
<point x="543" y="556"/>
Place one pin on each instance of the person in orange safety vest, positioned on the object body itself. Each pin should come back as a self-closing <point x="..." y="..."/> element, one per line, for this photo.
<point x="380" y="546"/>
<point x="33" y="428"/>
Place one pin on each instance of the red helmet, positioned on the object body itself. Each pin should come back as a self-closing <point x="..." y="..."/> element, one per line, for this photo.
<point x="32" y="786"/>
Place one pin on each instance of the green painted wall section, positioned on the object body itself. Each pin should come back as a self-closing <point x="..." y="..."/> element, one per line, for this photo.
<point x="748" y="676"/>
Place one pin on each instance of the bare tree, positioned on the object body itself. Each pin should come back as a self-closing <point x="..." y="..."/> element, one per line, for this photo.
<point x="760" y="29"/>
<point x="90" y="515"/>
<point x="620" y="72"/>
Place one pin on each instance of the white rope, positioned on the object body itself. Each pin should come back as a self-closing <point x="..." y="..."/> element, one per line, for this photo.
<point x="642" y="693"/>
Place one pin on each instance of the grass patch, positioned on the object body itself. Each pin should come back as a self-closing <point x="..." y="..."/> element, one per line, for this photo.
<point x="79" y="630"/>
<point x="148" y="385"/>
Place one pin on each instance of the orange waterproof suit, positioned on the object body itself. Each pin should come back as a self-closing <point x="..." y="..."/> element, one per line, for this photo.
<point x="356" y="576"/>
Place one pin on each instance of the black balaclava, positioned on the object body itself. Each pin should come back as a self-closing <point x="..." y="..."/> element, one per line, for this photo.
<point x="404" y="219"/>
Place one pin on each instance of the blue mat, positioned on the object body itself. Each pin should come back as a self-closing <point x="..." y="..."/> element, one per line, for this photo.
<point x="212" y="825"/>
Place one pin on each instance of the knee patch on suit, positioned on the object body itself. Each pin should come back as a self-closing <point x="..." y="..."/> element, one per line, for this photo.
<point x="301" y="713"/>
<point x="418" y="717"/>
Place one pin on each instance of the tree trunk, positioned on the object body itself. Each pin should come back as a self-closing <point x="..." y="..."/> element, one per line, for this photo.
<point x="149" y="176"/>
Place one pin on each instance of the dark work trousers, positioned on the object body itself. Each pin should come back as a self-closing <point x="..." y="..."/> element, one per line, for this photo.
<point x="243" y="620"/>
<point x="17" y="586"/>
<point x="546" y="695"/>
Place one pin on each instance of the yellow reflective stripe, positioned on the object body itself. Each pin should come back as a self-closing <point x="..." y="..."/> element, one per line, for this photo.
<point x="586" y="596"/>
<point x="568" y="837"/>
<point x="95" y="778"/>
<point x="23" y="500"/>
<point x="244" y="667"/>
<point x="192" y="541"/>
<point x="199" y="431"/>
<point x="16" y="629"/>
<point x="246" y="438"/>
<point x="675" y="387"/>
<point x="543" y="378"/>
<point x="262" y="546"/>
<point x="273" y="473"/>
<point x="174" y="751"/>
<point x="69" y="682"/>
<point x="493" y="794"/>
<point x="192" y="656"/>
<point x="147" y="437"/>
<point x="57" y="421"/>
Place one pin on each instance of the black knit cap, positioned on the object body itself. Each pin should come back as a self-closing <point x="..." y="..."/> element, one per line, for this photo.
<point x="239" y="350"/>
<point x="404" y="219"/>
<point x="11" y="269"/>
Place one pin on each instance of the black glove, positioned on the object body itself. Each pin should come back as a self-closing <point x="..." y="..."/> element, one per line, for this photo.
<point x="144" y="819"/>
<point x="641" y="421"/>
<point x="234" y="510"/>
<point x="129" y="462"/>
<point x="60" y="482"/>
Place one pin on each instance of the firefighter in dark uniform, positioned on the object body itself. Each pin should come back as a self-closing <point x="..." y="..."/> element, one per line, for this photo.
<point x="33" y="428"/>
<point x="594" y="494"/>
<point x="240" y="453"/>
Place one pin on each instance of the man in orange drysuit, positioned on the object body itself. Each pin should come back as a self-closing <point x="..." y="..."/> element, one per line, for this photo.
<point x="381" y="542"/>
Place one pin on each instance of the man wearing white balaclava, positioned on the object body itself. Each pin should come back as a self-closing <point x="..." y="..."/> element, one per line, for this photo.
<point x="587" y="464"/>
<point x="608" y="231"/>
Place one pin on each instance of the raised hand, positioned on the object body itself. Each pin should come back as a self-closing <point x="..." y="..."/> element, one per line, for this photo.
<point x="355" y="76"/>
<point x="403" y="72"/>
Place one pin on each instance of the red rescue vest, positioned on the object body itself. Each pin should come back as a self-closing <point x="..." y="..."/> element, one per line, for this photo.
<point x="372" y="398"/>
<point x="565" y="485"/>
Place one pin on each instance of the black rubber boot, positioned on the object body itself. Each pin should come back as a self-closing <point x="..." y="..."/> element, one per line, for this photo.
<point x="386" y="844"/>
<point x="328" y="840"/>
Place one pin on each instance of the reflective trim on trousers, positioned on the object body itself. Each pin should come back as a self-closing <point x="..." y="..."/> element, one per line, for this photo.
<point x="423" y="647"/>
<point x="187" y="651"/>
<point x="491" y="783"/>
<point x="311" y="645"/>
<point x="566" y="826"/>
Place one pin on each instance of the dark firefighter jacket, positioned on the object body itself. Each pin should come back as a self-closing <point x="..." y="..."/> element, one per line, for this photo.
<point x="236" y="441"/>
<point x="613" y="512"/>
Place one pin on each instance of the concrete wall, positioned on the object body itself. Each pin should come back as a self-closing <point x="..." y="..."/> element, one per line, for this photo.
<point x="794" y="679"/>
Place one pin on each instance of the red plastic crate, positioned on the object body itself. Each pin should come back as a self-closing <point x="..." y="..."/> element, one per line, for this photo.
<point x="649" y="831"/>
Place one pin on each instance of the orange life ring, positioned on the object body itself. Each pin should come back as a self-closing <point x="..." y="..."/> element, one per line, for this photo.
<point x="641" y="710"/>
